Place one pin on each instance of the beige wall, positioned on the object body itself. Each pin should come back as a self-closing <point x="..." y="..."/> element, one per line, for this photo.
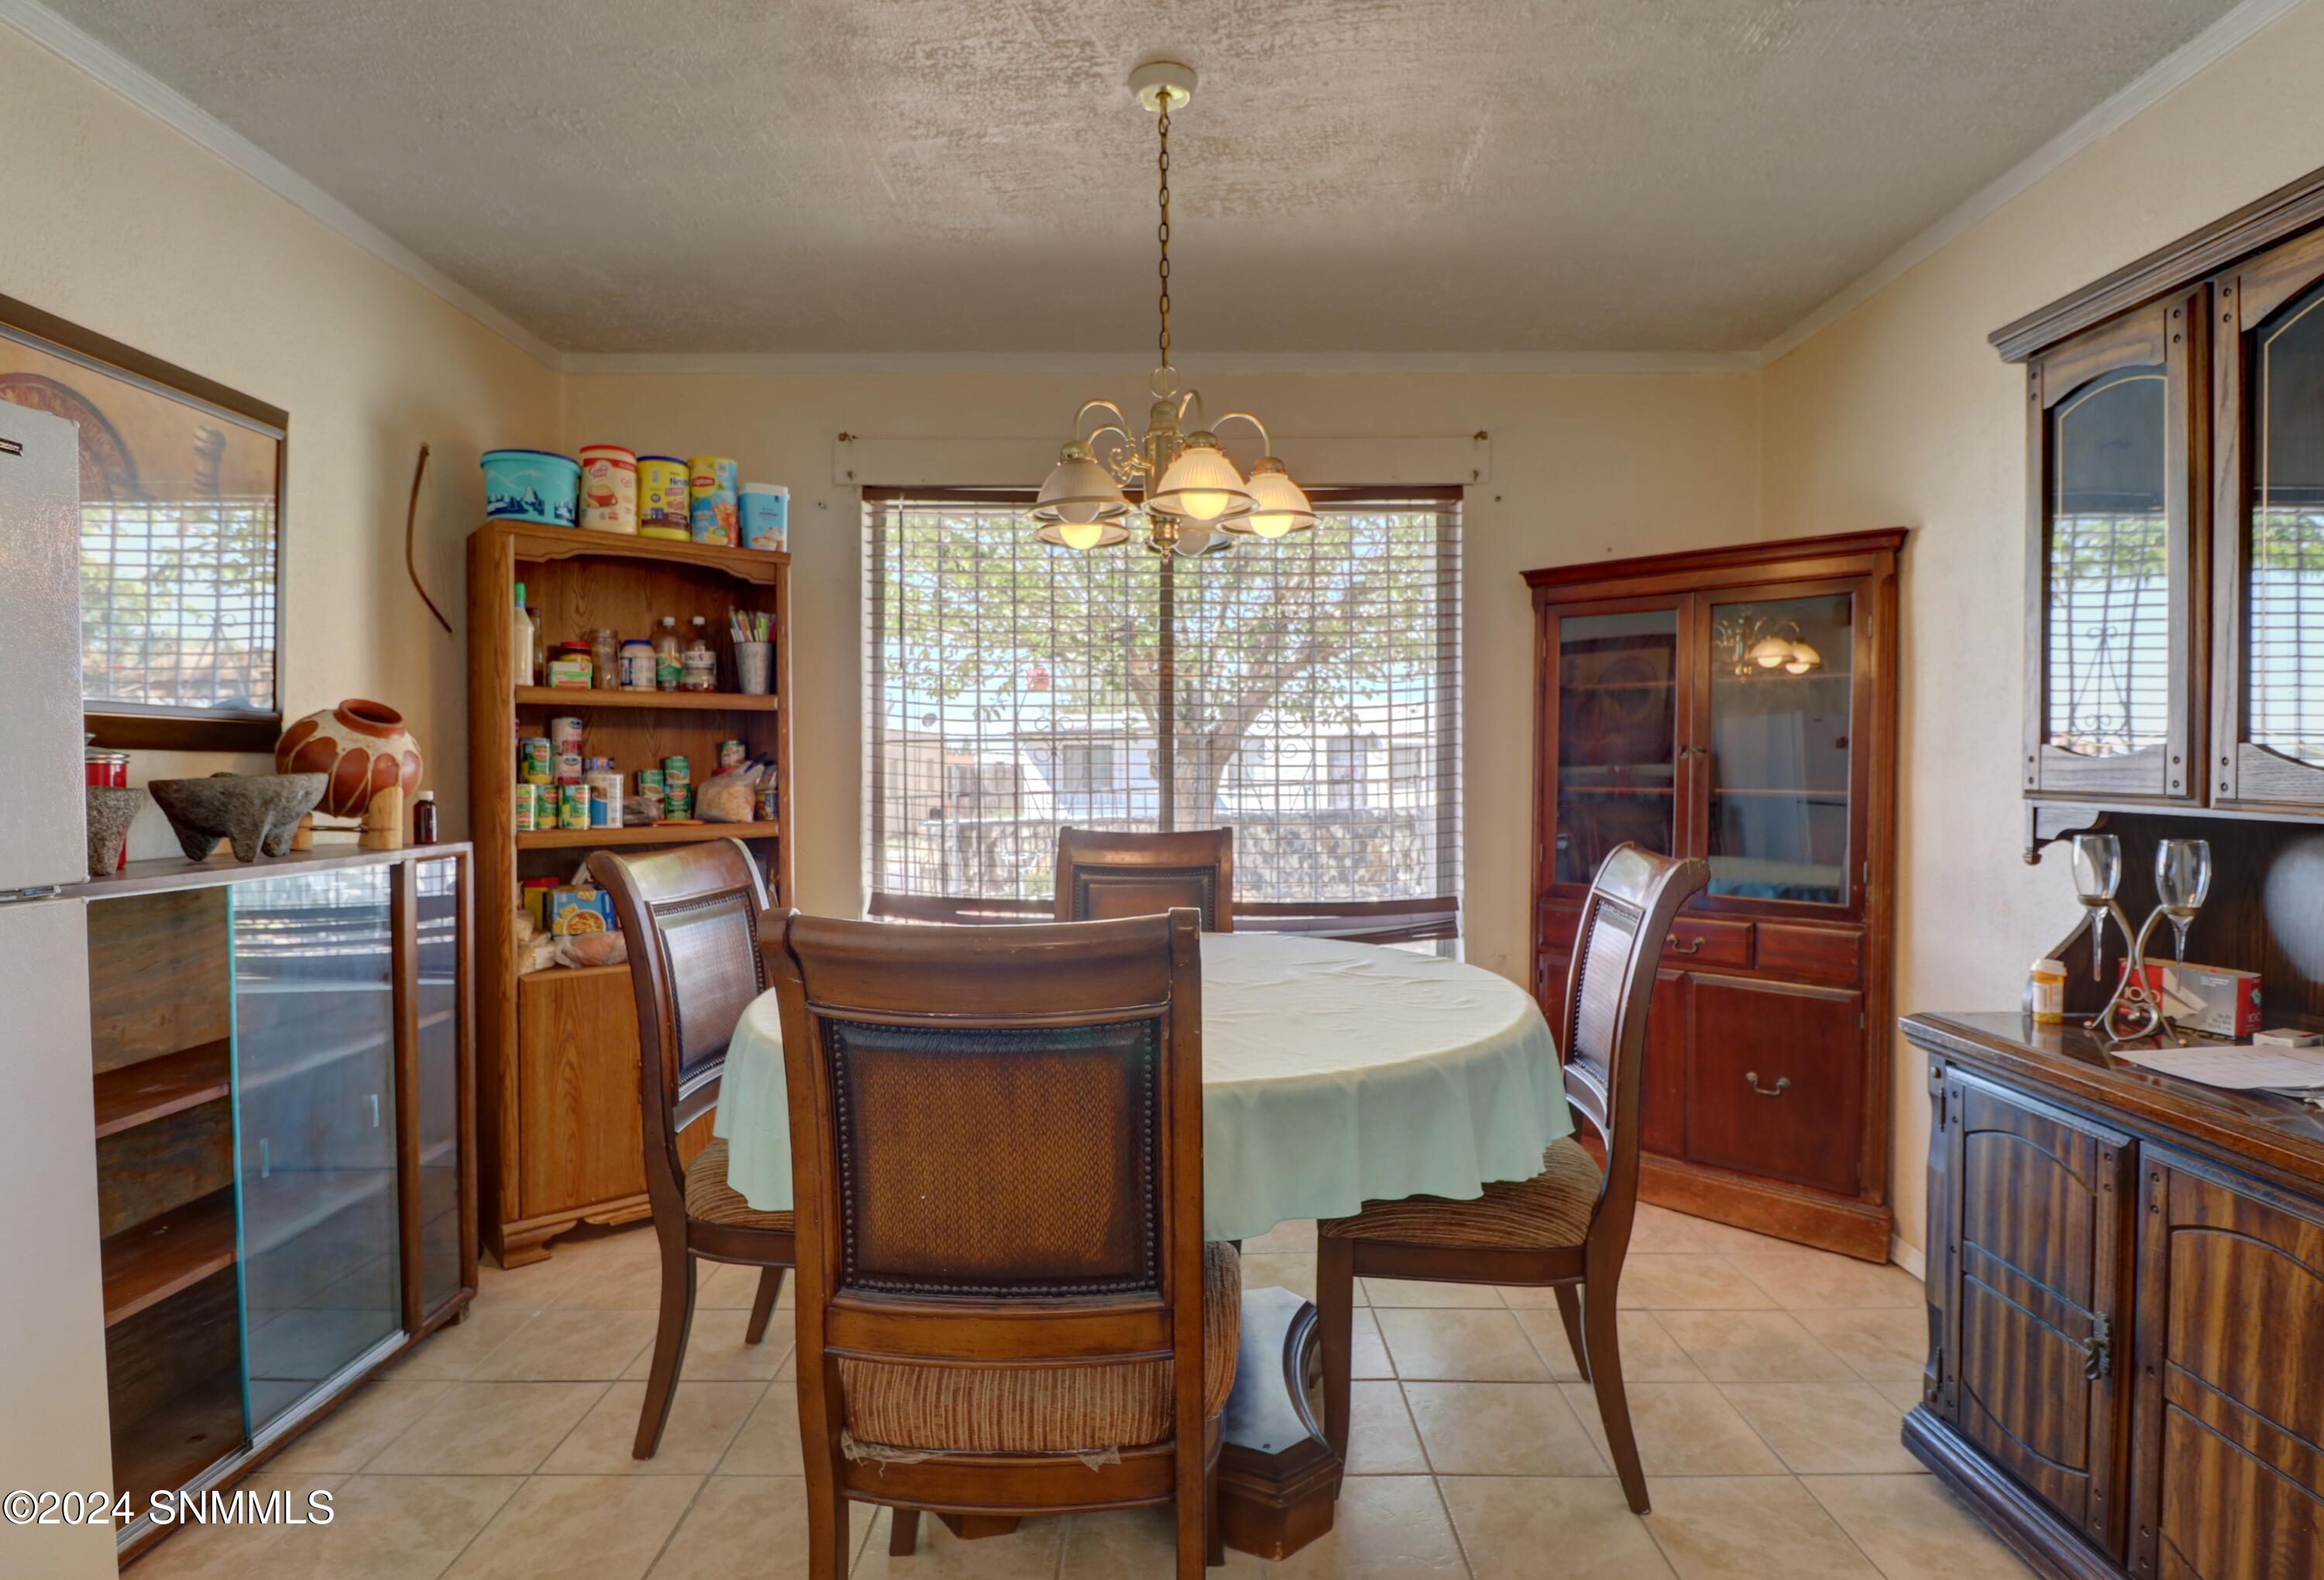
<point x="1583" y="467"/>
<point x="120" y="225"/>
<point x="1901" y="412"/>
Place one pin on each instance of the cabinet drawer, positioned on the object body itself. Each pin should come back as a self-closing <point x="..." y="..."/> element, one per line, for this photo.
<point x="1695" y="941"/>
<point x="1774" y="1081"/>
<point x="1814" y="954"/>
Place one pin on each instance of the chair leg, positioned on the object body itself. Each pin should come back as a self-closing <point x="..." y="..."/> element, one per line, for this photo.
<point x="762" y="1305"/>
<point x="669" y="1348"/>
<point x="1214" y="1536"/>
<point x="1335" y="1307"/>
<point x="828" y="1549"/>
<point x="903" y="1532"/>
<point x="1605" y="1368"/>
<point x="1569" y="1306"/>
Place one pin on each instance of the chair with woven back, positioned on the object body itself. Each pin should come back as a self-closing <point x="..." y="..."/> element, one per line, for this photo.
<point x="1005" y="1303"/>
<point x="1102" y="874"/>
<point x="1569" y="1226"/>
<point x="690" y="916"/>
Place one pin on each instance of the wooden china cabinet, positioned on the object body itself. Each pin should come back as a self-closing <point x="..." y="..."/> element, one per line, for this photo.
<point x="1739" y="705"/>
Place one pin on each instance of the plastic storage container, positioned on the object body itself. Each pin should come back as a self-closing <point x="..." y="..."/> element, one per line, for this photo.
<point x="532" y="485"/>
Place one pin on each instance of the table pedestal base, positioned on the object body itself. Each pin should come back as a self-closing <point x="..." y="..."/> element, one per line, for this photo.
<point x="1278" y="1478"/>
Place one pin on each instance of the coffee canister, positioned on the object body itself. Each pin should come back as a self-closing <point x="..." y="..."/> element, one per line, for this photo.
<point x="604" y="800"/>
<point x="528" y="808"/>
<point x="766" y="509"/>
<point x="664" y="497"/>
<point x="609" y="488"/>
<point x="711" y="489"/>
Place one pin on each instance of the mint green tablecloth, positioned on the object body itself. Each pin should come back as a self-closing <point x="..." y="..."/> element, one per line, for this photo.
<point x="1331" y="1073"/>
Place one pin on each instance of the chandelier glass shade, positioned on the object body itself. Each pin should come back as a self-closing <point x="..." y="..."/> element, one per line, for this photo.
<point x="1175" y="485"/>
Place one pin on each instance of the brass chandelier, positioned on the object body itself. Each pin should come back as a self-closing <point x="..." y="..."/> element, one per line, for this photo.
<point x="1189" y="496"/>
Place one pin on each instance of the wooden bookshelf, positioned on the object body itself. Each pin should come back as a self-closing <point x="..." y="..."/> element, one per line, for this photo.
<point x="557" y="1094"/>
<point x="139" y="1094"/>
<point x="150" y="1262"/>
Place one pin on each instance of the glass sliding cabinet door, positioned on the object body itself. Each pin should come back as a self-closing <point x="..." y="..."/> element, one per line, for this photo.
<point x="1619" y="708"/>
<point x="315" y="1128"/>
<point x="439" y="1093"/>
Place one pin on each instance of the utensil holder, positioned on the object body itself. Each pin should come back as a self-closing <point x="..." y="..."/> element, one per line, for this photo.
<point x="754" y="667"/>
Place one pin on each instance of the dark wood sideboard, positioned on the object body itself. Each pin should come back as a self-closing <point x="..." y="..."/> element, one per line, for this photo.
<point x="2125" y="1287"/>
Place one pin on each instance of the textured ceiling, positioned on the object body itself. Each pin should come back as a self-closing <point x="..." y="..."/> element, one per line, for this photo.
<point x="971" y="175"/>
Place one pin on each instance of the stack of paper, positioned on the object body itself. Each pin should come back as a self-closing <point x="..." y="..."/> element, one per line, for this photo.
<point x="2295" y="1072"/>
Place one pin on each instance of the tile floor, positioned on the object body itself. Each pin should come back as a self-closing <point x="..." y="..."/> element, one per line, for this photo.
<point x="1766" y="1384"/>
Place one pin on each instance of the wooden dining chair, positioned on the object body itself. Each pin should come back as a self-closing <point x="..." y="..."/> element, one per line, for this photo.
<point x="1569" y="1226"/>
<point x="1005" y="1303"/>
<point x="1102" y="875"/>
<point x="691" y="919"/>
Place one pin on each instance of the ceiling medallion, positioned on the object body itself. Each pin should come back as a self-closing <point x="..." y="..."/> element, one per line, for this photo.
<point x="1188" y="494"/>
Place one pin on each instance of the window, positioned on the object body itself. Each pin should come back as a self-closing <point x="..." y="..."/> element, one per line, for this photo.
<point x="1013" y="688"/>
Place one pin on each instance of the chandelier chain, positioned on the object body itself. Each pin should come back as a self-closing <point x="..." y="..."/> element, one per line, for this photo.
<point x="1162" y="231"/>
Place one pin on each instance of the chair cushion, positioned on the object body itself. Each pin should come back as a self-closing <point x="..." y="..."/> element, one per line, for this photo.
<point x="1552" y="1209"/>
<point x="993" y="1409"/>
<point x="709" y="1199"/>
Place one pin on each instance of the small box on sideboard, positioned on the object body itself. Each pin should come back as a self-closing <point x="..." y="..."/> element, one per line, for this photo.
<point x="558" y="1066"/>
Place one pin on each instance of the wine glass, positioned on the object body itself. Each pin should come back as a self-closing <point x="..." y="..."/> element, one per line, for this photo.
<point x="2096" y="863"/>
<point x="2182" y="882"/>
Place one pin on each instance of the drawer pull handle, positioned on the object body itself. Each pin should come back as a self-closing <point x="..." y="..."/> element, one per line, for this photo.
<point x="1783" y="1085"/>
<point x="1692" y="946"/>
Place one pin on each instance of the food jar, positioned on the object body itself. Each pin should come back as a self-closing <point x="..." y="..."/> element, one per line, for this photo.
<point x="609" y="488"/>
<point x="665" y="506"/>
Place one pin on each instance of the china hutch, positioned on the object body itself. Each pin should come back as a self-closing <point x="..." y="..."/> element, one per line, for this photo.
<point x="1739" y="705"/>
<point x="2125" y="1271"/>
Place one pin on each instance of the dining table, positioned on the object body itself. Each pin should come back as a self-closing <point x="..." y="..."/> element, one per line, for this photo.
<point x="1334" y="1073"/>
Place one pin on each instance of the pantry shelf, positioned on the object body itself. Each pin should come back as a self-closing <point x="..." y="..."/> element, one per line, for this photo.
<point x="644" y="834"/>
<point x="577" y="696"/>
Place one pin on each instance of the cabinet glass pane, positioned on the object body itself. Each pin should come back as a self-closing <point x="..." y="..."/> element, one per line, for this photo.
<point x="1780" y="706"/>
<point x="1617" y="736"/>
<point x="439" y="1081"/>
<point x="2284" y="664"/>
<point x="2109" y="571"/>
<point x="314" y="1128"/>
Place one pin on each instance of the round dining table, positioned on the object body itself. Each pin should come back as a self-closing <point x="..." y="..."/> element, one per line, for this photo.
<point x="1334" y="1073"/>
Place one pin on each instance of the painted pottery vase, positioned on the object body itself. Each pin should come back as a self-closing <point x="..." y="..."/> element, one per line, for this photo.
<point x="361" y="746"/>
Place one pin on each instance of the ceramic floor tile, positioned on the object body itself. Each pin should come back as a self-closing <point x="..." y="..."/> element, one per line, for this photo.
<point x="608" y="1527"/>
<point x="1688" y="1283"/>
<point x="1292" y="1270"/>
<point x="768" y="1442"/>
<point x="1409" y="1292"/>
<point x="1750" y="1528"/>
<point x="704" y="1418"/>
<point x="1881" y="1345"/>
<point x="1501" y="1429"/>
<point x="630" y="1284"/>
<point x="564" y="1345"/>
<point x="1826" y="1429"/>
<point x="1649" y="1353"/>
<point x="1381" y="1440"/>
<point x="451" y="1354"/>
<point x="1902" y="1392"/>
<point x="1511" y="1525"/>
<point x="1386" y="1528"/>
<point x="1458" y="1345"/>
<point x="749" y="1525"/>
<point x="348" y="1438"/>
<point x="716" y="1353"/>
<point x="488" y="1428"/>
<point x="1820" y="1281"/>
<point x="1369" y="1356"/>
<point x="1754" y="1346"/>
<point x="241" y="1552"/>
<point x="400" y="1526"/>
<point x="732" y="1286"/>
<point x="1682" y="1428"/>
<point x="1913" y="1528"/>
<point x="1293" y="1234"/>
<point x="1029" y="1552"/>
<point x="1136" y="1544"/>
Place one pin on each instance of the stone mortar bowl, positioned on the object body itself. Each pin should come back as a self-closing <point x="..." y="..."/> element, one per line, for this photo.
<point x="255" y="811"/>
<point x="111" y="810"/>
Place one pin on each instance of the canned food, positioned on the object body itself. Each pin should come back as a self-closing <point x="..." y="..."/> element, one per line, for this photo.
<point x="569" y="769"/>
<point x="537" y="759"/>
<point x="609" y="488"/>
<point x="650" y="779"/>
<point x="565" y="733"/>
<point x="573" y="806"/>
<point x="677" y="801"/>
<point x="605" y="800"/>
<point x="676" y="771"/>
<point x="599" y="765"/>
<point x="665" y="505"/>
<point x="105" y="769"/>
<point x="764" y="805"/>
<point x="732" y="755"/>
<point x="712" y="499"/>
<point x="528" y="808"/>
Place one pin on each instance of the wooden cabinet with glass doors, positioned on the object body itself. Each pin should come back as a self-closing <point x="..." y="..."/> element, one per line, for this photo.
<point x="2175" y="523"/>
<point x="1738" y="704"/>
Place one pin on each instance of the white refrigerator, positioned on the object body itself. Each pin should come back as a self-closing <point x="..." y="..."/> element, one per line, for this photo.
<point x="53" y="1429"/>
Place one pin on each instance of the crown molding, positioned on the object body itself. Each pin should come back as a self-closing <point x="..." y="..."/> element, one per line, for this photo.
<point x="2222" y="38"/>
<point x="1103" y="364"/>
<point x="157" y="98"/>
